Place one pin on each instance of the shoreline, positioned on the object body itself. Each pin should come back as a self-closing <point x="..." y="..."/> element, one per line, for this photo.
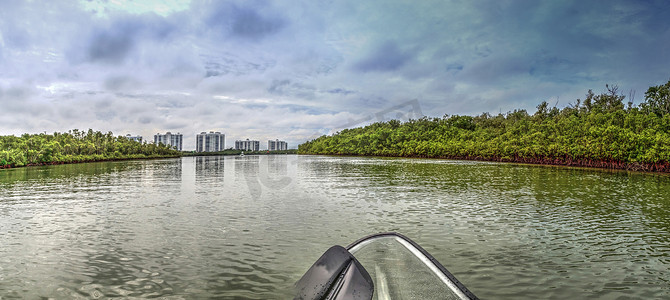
<point x="660" y="167"/>
<point x="656" y="168"/>
<point x="53" y="163"/>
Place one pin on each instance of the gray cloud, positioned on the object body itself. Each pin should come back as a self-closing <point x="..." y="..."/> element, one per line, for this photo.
<point x="286" y="87"/>
<point x="492" y="70"/>
<point x="222" y="64"/>
<point x="249" y="24"/>
<point x="104" y="110"/>
<point x="385" y="57"/>
<point x="13" y="96"/>
<point x="106" y="115"/>
<point x="235" y="66"/>
<point x="246" y="20"/>
<point x="340" y="91"/>
<point x="109" y="47"/>
<point x="117" y="83"/>
<point x="112" y="44"/>
<point x="15" y="37"/>
<point x="145" y="120"/>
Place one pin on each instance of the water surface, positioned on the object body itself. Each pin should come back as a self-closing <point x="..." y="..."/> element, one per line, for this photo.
<point x="249" y="227"/>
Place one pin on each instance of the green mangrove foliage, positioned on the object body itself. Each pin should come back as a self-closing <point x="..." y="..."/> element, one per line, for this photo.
<point x="599" y="131"/>
<point x="74" y="146"/>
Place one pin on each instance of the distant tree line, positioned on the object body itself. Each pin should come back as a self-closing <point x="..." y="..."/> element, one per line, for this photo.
<point x="74" y="146"/>
<point x="599" y="131"/>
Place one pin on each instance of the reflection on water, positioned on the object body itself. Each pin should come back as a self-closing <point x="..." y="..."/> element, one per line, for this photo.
<point x="248" y="227"/>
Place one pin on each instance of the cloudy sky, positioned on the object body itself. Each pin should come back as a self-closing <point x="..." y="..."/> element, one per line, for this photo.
<point x="295" y="69"/>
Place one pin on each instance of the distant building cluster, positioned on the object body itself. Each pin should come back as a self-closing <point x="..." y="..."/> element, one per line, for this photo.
<point x="169" y="139"/>
<point x="247" y="145"/>
<point x="137" y="138"/>
<point x="277" y="145"/>
<point x="210" y="142"/>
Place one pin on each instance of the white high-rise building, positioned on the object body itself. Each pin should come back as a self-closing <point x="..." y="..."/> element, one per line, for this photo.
<point x="247" y="145"/>
<point x="137" y="138"/>
<point x="210" y="142"/>
<point x="277" y="145"/>
<point x="170" y="139"/>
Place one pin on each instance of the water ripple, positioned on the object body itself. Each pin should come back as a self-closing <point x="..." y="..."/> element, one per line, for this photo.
<point x="227" y="227"/>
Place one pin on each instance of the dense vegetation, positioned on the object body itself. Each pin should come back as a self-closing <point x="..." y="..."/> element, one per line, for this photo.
<point x="600" y="131"/>
<point x="74" y="146"/>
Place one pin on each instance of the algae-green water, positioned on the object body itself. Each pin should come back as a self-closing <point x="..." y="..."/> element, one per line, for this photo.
<point x="249" y="227"/>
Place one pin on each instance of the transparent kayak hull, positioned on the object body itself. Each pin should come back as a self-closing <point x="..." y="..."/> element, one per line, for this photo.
<point x="387" y="266"/>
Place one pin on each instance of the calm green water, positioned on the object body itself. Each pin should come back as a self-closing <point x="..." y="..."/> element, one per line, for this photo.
<point x="249" y="227"/>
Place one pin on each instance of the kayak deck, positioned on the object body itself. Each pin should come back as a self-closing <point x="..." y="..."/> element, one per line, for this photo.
<point x="381" y="266"/>
<point x="401" y="269"/>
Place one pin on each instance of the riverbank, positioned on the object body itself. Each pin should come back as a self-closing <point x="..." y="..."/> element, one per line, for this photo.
<point x="74" y="147"/>
<point x="636" y="167"/>
<point x="599" y="132"/>
<point x="53" y="163"/>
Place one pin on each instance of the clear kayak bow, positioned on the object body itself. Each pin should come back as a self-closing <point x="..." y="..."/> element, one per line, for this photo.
<point x="380" y="266"/>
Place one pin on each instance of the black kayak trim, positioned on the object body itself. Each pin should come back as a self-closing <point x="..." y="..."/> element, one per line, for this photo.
<point x="336" y="275"/>
<point x="432" y="259"/>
